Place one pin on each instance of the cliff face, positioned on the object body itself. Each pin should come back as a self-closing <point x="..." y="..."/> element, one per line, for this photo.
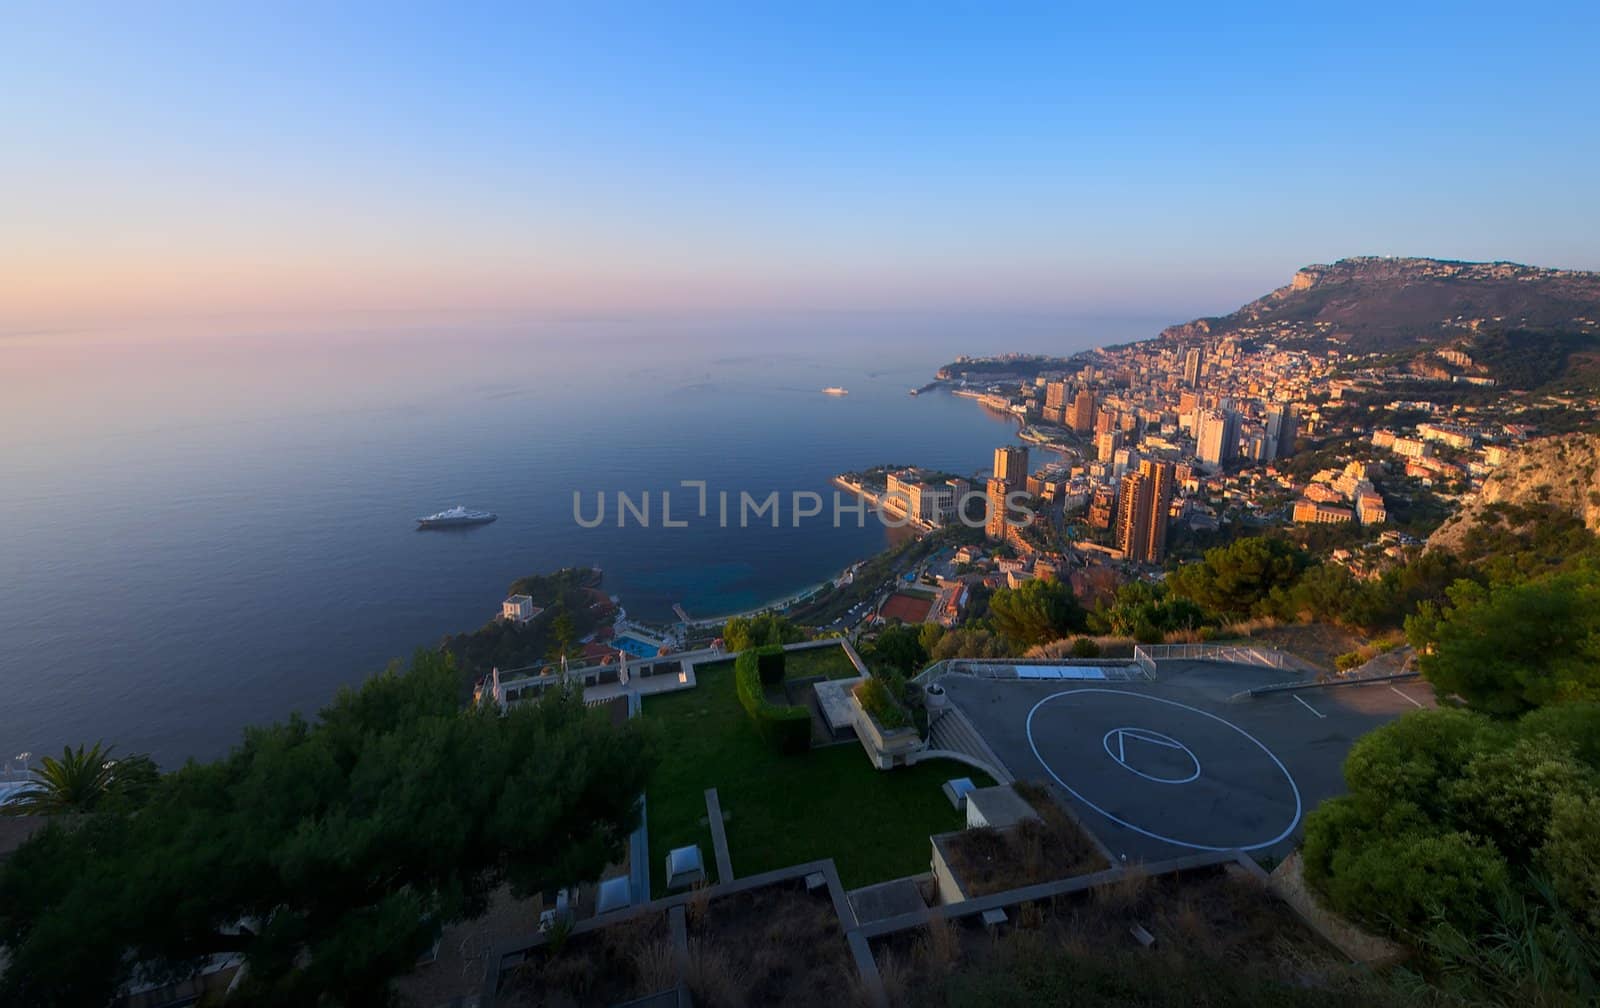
<point x="1381" y="305"/>
<point x="1557" y="472"/>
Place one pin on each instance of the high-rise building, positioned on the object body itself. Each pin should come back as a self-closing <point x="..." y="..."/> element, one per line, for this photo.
<point x="1142" y="512"/>
<point x="1105" y="420"/>
<point x="910" y="497"/>
<point x="1133" y="512"/>
<point x="1191" y="367"/>
<point x="1281" y="431"/>
<point x="1055" y="395"/>
<point x="1106" y="445"/>
<point x="1217" y="436"/>
<point x="1163" y="485"/>
<point x="1011" y="465"/>
<point x="1256" y="447"/>
<point x="1083" y="412"/>
<point x="995" y="524"/>
<point x="1103" y="507"/>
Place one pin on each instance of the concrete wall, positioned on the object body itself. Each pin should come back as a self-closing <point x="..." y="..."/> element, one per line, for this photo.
<point x="949" y="888"/>
<point x="886" y="749"/>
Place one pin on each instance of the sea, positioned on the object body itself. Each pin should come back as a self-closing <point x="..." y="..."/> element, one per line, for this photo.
<point x="203" y="531"/>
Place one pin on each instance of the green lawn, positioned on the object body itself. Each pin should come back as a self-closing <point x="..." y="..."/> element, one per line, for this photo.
<point x="783" y="810"/>
<point x="829" y="662"/>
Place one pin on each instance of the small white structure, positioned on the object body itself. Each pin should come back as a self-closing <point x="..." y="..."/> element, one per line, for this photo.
<point x="685" y="867"/>
<point x="615" y="894"/>
<point x="997" y="807"/>
<point x="957" y="790"/>
<point x="562" y="911"/>
<point x="519" y="609"/>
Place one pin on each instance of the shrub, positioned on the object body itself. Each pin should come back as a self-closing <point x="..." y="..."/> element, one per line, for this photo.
<point x="769" y="662"/>
<point x="876" y="697"/>
<point x="1401" y="883"/>
<point x="1085" y="647"/>
<point x="1348" y="661"/>
<point x="786" y="727"/>
<point x="1145" y="633"/>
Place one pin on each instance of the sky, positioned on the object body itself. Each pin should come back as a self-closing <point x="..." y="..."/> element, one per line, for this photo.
<point x="305" y="160"/>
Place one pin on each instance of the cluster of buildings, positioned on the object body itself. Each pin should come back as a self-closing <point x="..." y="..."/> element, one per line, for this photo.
<point x="1138" y="504"/>
<point x="1324" y="500"/>
<point x="1139" y="432"/>
<point x="929" y="503"/>
<point x="1199" y="431"/>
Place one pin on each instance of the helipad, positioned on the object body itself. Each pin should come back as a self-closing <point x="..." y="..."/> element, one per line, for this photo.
<point x="1157" y="769"/>
<point x="1235" y="791"/>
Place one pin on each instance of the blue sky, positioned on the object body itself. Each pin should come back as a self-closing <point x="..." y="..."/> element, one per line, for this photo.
<point x="568" y="157"/>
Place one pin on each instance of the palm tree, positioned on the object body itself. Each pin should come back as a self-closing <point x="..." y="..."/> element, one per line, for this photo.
<point x="81" y="781"/>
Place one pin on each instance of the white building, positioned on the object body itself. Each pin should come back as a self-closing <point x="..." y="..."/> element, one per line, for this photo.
<point x="519" y="609"/>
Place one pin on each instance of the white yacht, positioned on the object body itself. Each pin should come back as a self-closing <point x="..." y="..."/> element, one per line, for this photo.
<point x="456" y="516"/>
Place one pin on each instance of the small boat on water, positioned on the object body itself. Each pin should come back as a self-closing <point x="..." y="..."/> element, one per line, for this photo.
<point x="835" y="390"/>
<point x="456" y="516"/>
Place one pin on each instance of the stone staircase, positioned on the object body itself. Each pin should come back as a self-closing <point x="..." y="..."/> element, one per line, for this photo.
<point x="951" y="736"/>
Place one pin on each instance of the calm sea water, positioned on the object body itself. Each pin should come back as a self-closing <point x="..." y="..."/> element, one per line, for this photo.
<point x="199" y="534"/>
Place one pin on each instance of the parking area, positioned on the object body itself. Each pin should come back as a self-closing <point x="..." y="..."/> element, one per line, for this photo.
<point x="1159" y="769"/>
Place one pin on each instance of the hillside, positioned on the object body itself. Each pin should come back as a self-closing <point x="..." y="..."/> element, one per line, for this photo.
<point x="1409" y="306"/>
<point x="1546" y="478"/>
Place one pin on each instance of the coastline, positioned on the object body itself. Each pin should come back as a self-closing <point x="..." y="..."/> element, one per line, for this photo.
<point x="785" y="602"/>
<point x="1023" y="427"/>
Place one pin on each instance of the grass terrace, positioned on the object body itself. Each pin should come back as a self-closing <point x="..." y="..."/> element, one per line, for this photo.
<point x="782" y="810"/>
<point x="828" y="662"/>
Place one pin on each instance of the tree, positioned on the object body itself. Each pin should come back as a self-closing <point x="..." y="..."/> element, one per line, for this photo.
<point x="83" y="780"/>
<point x="1510" y="648"/>
<point x="1147" y="612"/>
<point x="1035" y="612"/>
<point x="1330" y="593"/>
<point x="970" y="642"/>
<point x="564" y="635"/>
<point x="1085" y="647"/>
<point x="1509" y="794"/>
<point x="1450" y="812"/>
<point x="899" y="647"/>
<point x="743" y="632"/>
<point x="1571" y="857"/>
<point x="1401" y="882"/>
<point x="327" y="853"/>
<point x="1236" y="580"/>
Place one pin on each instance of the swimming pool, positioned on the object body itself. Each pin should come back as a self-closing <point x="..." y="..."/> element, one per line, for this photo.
<point x="635" y="646"/>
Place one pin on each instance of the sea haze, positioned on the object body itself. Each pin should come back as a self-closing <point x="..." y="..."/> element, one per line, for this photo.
<point x="199" y="534"/>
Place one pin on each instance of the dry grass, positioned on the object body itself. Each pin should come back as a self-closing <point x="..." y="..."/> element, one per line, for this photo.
<point x="1052" y="847"/>
<point x="1315" y="643"/>
<point x="714" y="978"/>
<point x="623" y="961"/>
<point x="1123" y="895"/>
<point x="1110" y="647"/>
<point x="779" y="945"/>
<point x="940" y="947"/>
<point x="893" y="973"/>
<point x="1200" y="922"/>
<point x="699" y="905"/>
<point x="656" y="966"/>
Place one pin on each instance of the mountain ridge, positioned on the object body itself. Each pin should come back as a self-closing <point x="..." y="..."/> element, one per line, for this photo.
<point x="1377" y="304"/>
<point x="1551" y="475"/>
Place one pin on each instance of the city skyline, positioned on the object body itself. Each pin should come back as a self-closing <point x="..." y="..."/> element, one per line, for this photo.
<point x="1166" y="163"/>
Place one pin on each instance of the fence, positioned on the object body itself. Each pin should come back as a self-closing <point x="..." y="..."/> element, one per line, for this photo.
<point x="1012" y="668"/>
<point x="1148" y="654"/>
